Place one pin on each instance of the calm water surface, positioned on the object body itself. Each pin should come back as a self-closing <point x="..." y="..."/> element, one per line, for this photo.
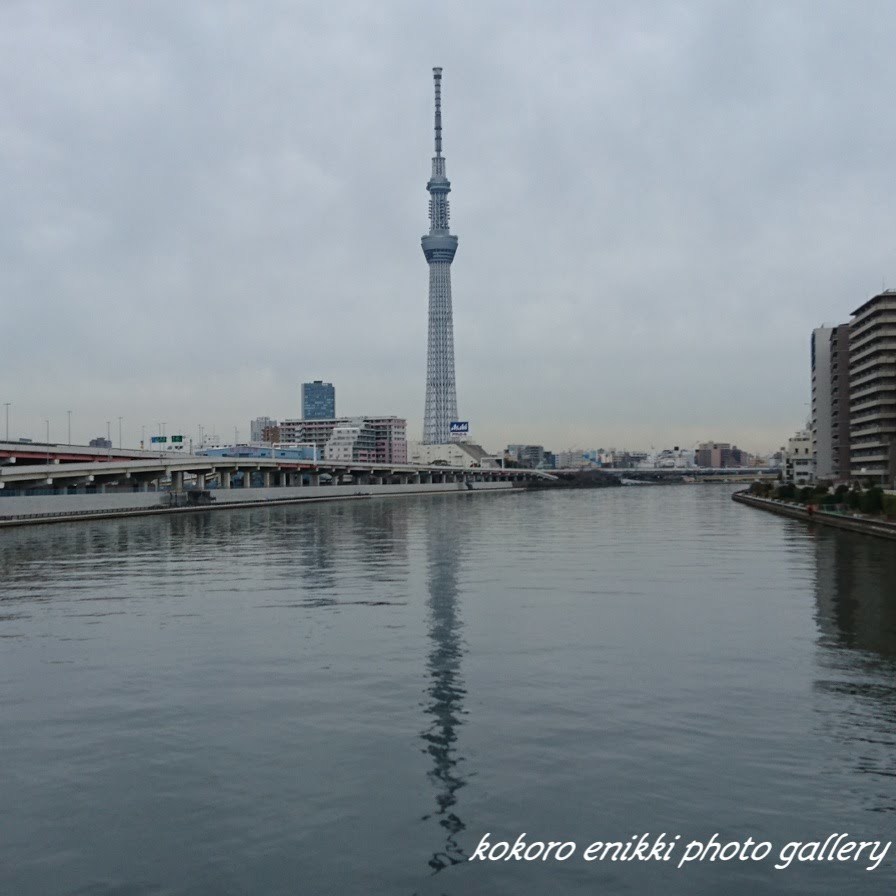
<point x="344" y="698"/>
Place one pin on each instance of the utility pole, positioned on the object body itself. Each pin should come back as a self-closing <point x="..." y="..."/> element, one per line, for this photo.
<point x="119" y="433"/>
<point x="6" y="404"/>
<point x="69" y="426"/>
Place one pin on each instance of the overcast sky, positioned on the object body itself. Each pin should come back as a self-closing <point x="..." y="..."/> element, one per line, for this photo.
<point x="206" y="203"/>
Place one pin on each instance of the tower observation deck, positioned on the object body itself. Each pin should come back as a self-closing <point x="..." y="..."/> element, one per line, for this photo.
<point x="439" y="246"/>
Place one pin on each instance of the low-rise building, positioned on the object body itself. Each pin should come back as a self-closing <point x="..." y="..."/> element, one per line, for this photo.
<point x="257" y="428"/>
<point x="531" y="456"/>
<point x="363" y="439"/>
<point x="798" y="464"/>
<point x="349" y="441"/>
<point x="454" y="454"/>
<point x="716" y="455"/>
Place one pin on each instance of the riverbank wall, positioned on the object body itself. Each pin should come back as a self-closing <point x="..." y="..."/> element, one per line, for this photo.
<point x="20" y="511"/>
<point x="852" y="522"/>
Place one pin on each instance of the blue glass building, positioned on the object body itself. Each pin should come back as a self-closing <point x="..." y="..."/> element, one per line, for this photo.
<point x="318" y="401"/>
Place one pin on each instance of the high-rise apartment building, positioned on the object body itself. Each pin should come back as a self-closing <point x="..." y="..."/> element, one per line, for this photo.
<point x="821" y="425"/>
<point x="439" y="246"/>
<point x="872" y="390"/>
<point x="839" y="345"/>
<point x="318" y="401"/>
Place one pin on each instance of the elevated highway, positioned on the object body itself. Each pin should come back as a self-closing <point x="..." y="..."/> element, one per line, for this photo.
<point x="35" y="468"/>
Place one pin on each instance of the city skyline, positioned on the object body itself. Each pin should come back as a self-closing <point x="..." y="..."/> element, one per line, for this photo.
<point x="657" y="208"/>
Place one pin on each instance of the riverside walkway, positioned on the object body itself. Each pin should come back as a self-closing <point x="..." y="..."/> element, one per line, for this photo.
<point x="854" y="522"/>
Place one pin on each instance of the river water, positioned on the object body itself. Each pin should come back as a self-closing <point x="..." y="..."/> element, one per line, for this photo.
<point x="346" y="697"/>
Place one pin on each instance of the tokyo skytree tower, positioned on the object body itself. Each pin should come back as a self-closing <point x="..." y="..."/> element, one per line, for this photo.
<point x="439" y="247"/>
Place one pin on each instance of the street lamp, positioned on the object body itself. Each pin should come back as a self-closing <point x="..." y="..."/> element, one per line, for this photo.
<point x="69" y="426"/>
<point x="119" y="433"/>
<point x="6" y="404"/>
<point x="48" y="446"/>
<point x="109" y="438"/>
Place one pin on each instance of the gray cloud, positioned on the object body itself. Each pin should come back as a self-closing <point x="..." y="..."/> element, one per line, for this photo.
<point x="206" y="204"/>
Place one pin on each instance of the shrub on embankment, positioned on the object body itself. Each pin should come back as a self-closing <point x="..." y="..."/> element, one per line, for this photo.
<point x="871" y="501"/>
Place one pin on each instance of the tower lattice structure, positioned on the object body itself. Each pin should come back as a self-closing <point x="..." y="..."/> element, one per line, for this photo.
<point x="439" y="247"/>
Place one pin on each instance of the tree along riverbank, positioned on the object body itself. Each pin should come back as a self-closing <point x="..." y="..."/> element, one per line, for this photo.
<point x="811" y="513"/>
<point x="873" y="501"/>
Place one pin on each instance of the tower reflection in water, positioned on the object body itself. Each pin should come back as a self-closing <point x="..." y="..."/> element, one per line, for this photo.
<point x="445" y="691"/>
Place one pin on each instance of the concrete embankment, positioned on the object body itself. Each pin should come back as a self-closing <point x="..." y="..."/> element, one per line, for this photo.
<point x="864" y="524"/>
<point x="19" y="511"/>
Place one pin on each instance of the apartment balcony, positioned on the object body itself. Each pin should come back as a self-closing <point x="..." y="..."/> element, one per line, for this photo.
<point x="872" y="340"/>
<point x="880" y="449"/>
<point x="884" y="390"/>
<point x="881" y="419"/>
<point x="871" y="372"/>
<point x="878" y="379"/>
<point x="865" y="427"/>
<point x="861" y="431"/>
<point x="871" y="348"/>
<point x="873" y="360"/>
<point x="877" y="447"/>
<point x="881" y="316"/>
<point x="873" y="474"/>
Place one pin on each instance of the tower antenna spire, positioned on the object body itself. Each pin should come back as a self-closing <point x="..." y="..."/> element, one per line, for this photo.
<point x="437" y="81"/>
